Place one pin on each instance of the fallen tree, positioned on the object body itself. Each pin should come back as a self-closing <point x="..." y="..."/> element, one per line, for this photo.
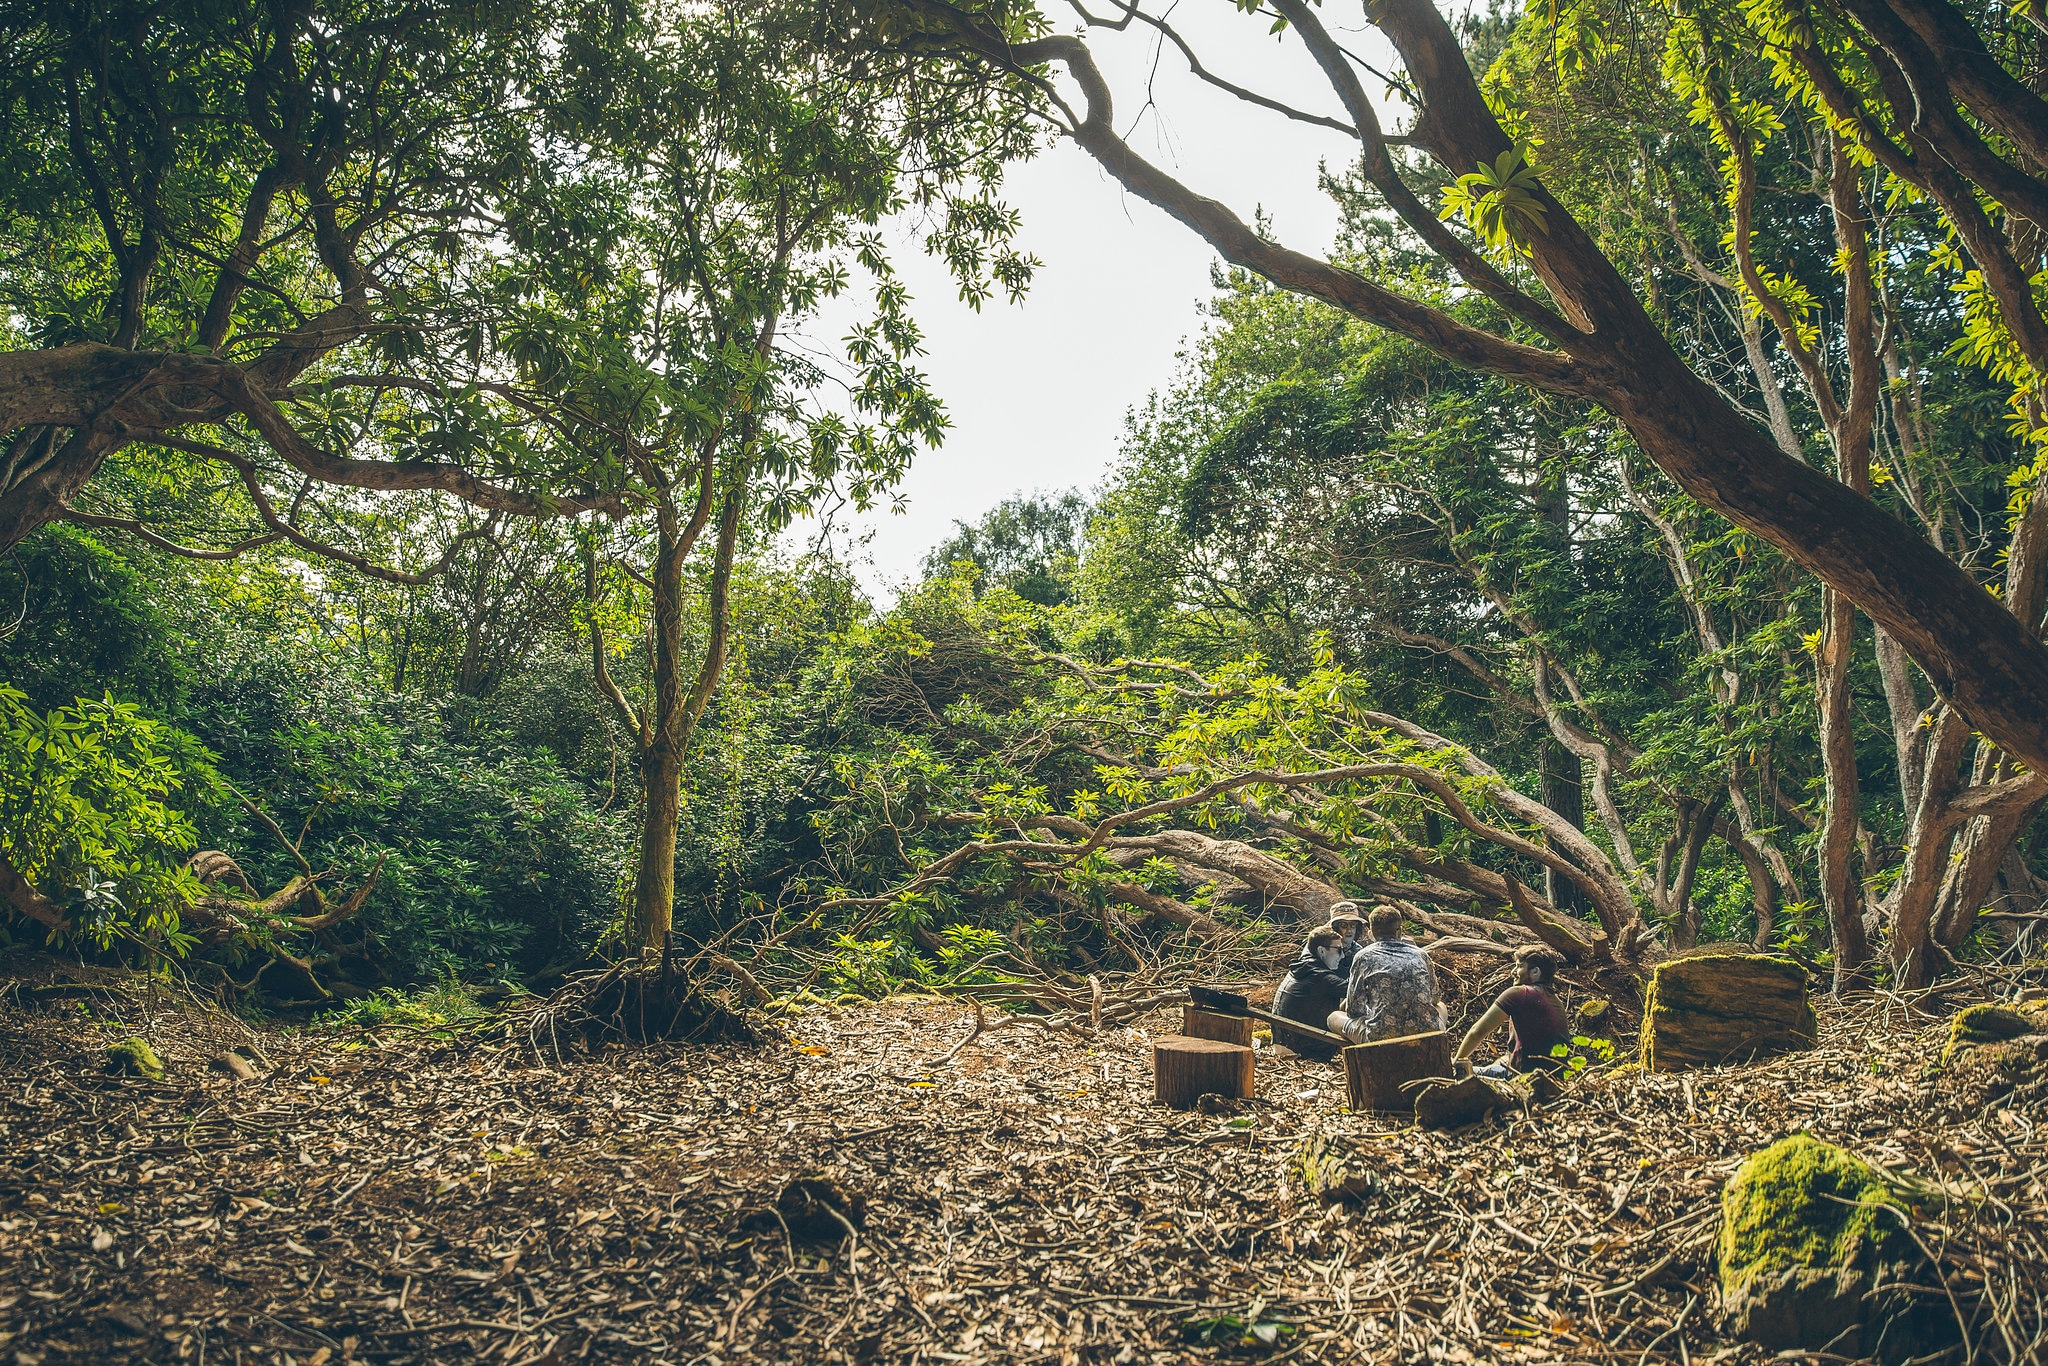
<point x="263" y="926"/>
<point x="1297" y="791"/>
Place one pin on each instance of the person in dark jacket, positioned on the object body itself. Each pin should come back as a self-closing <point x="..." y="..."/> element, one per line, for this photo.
<point x="1314" y="986"/>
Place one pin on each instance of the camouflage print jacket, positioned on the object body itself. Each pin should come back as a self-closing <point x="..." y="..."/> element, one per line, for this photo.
<point x="1393" y="992"/>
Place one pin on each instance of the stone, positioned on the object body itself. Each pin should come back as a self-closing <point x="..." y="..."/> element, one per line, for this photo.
<point x="818" y="1206"/>
<point x="134" y="1057"/>
<point x="1812" y="1248"/>
<point x="1995" y="1055"/>
<point x="1990" y="1023"/>
<point x="1711" y="1010"/>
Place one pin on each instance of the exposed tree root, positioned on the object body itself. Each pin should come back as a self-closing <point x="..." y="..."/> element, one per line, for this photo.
<point x="635" y="1003"/>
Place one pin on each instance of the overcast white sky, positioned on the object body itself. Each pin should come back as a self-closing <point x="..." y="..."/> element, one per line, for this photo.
<point x="1038" y="391"/>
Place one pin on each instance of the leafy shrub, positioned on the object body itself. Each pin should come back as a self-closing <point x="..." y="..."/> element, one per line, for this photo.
<point x="448" y="1004"/>
<point x="85" y="624"/>
<point x="494" y="856"/>
<point x="84" y="820"/>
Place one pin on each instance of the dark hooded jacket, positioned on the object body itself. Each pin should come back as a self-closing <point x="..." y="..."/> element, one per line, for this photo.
<point x="1310" y="991"/>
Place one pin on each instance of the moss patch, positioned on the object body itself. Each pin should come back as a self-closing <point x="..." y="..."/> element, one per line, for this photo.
<point x="1986" y="1024"/>
<point x="134" y="1057"/>
<point x="1804" y="1203"/>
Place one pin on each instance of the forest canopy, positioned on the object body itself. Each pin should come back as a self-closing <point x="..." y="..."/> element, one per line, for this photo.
<point x="1628" y="538"/>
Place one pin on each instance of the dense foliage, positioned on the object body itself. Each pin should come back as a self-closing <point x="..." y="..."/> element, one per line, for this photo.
<point x="458" y="634"/>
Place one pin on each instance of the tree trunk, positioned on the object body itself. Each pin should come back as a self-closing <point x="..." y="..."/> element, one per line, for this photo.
<point x="21" y="894"/>
<point x="1184" y="1070"/>
<point x="1763" y="888"/>
<point x="39" y="484"/>
<point x="1937" y="898"/>
<point x="1281" y="883"/>
<point x="1167" y="908"/>
<point x="1912" y="952"/>
<point x="1840" y="892"/>
<point x="1903" y="702"/>
<point x="1698" y="822"/>
<point x="1379" y="1075"/>
<point x="1207" y="1024"/>
<point x="1980" y="852"/>
<point x="1563" y="791"/>
<point x="654" y="881"/>
<point x="661" y="760"/>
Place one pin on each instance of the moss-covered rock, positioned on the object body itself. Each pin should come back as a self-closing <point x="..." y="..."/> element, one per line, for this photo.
<point x="1594" y="1018"/>
<point x="1995" y="1054"/>
<point x="1708" y="1011"/>
<point x="1987" y="1023"/>
<point x="1337" y="1168"/>
<point x="819" y="1206"/>
<point x="134" y="1057"/>
<point x="1801" y="1202"/>
<point x="1811" y="1238"/>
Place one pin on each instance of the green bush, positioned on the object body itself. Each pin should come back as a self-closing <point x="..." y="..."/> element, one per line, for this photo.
<point x="494" y="856"/>
<point x="86" y="624"/>
<point x="83" y="815"/>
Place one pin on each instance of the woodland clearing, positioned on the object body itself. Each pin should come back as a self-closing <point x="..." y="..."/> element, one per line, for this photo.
<point x="421" y="1200"/>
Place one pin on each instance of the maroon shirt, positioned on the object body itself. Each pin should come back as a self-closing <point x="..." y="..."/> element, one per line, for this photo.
<point x="1538" y="1023"/>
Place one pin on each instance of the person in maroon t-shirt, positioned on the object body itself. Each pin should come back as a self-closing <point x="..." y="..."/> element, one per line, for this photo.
<point x="1536" y="1021"/>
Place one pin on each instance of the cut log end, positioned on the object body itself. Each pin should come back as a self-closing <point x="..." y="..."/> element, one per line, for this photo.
<point x="1379" y="1075"/>
<point x="1712" y="1010"/>
<point x="1197" y="1023"/>
<point x="1184" y="1070"/>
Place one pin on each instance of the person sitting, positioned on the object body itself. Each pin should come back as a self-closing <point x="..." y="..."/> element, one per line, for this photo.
<point x="1345" y="920"/>
<point x="1314" y="985"/>
<point x="1536" y="1022"/>
<point x="1393" y="990"/>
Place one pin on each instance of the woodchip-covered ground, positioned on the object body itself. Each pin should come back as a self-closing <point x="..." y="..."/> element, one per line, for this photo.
<point x="415" y="1201"/>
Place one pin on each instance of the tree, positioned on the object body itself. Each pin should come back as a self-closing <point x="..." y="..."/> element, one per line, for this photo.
<point x="503" y="263"/>
<point x="1492" y="564"/>
<point x="1030" y="545"/>
<point x="89" y="847"/>
<point x="1866" y="348"/>
<point x="1088" y="787"/>
<point x="1593" y="339"/>
<point x="246" y="242"/>
<point x="736" y="175"/>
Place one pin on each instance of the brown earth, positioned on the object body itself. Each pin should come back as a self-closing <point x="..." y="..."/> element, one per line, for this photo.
<point x="421" y="1201"/>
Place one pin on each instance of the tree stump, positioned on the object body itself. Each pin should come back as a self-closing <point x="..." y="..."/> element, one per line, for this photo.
<point x="1712" y="1010"/>
<point x="1454" y="1104"/>
<point x="1184" y="1070"/>
<point x="1376" y="1072"/>
<point x="1197" y="1023"/>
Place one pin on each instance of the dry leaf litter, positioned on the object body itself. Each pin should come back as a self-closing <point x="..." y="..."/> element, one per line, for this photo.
<point x="869" y="1189"/>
